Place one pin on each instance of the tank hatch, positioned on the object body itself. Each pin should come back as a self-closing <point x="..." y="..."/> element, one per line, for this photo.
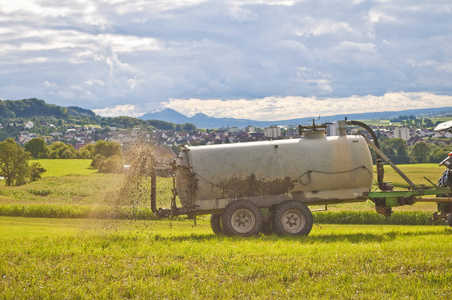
<point x="312" y="131"/>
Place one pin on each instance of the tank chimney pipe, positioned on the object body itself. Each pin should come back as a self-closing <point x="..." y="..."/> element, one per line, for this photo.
<point x="342" y="128"/>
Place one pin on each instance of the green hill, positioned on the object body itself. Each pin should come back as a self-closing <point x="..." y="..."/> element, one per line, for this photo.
<point x="38" y="111"/>
<point x="28" y="108"/>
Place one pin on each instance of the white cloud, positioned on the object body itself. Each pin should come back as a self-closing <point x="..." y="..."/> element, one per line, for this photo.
<point x="119" y="110"/>
<point x="273" y="109"/>
<point x="117" y="52"/>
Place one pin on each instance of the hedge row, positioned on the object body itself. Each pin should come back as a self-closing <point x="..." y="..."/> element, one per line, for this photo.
<point x="74" y="211"/>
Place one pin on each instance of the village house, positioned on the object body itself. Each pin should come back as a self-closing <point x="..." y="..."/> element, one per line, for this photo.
<point x="29" y="125"/>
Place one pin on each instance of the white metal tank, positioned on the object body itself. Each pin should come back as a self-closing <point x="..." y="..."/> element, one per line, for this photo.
<point x="314" y="170"/>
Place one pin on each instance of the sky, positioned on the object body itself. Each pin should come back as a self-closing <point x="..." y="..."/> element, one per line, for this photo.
<point x="260" y="60"/>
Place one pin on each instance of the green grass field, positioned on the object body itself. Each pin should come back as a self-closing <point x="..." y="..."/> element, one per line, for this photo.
<point x="416" y="172"/>
<point x="85" y="259"/>
<point x="64" y="167"/>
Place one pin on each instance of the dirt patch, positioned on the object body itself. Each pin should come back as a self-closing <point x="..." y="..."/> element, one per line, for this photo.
<point x="250" y="186"/>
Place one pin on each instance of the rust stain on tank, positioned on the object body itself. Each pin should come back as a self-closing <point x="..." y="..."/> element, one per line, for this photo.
<point x="250" y="186"/>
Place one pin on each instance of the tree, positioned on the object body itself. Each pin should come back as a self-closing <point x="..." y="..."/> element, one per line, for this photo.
<point x="402" y="154"/>
<point x="35" y="171"/>
<point x="107" y="157"/>
<point x="97" y="161"/>
<point x="396" y="150"/>
<point x="439" y="154"/>
<point x="61" y="150"/>
<point x="68" y="154"/>
<point x="37" y="148"/>
<point x="428" y="122"/>
<point x="13" y="163"/>
<point x="107" y="149"/>
<point x="420" y="152"/>
<point x="87" y="151"/>
<point x="113" y="164"/>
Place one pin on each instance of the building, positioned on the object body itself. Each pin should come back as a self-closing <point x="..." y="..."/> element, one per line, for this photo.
<point x="402" y="133"/>
<point x="272" y="131"/>
<point x="332" y="129"/>
<point x="29" y="125"/>
<point x="249" y="129"/>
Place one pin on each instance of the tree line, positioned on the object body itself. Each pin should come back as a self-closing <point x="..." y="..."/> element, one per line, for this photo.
<point x="411" y="120"/>
<point x="16" y="169"/>
<point x="421" y="152"/>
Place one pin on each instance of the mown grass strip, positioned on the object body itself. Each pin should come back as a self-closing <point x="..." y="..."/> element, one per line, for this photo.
<point x="145" y="213"/>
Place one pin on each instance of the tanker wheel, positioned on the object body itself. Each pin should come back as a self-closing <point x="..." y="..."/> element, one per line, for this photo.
<point x="215" y="223"/>
<point x="242" y="218"/>
<point x="449" y="219"/>
<point x="292" y="218"/>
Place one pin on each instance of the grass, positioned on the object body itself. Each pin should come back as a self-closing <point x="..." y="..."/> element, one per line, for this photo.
<point x="65" y="189"/>
<point x="416" y="172"/>
<point x="441" y="119"/>
<point x="59" y="258"/>
<point x="65" y="167"/>
<point x="94" y="189"/>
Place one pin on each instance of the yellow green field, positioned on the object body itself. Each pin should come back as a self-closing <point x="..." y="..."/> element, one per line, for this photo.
<point x="64" y="167"/>
<point x="416" y="172"/>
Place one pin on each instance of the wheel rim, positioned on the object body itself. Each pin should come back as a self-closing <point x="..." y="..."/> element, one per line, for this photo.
<point x="243" y="220"/>
<point x="293" y="221"/>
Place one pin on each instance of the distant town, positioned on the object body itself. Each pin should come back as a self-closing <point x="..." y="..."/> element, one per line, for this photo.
<point x="80" y="136"/>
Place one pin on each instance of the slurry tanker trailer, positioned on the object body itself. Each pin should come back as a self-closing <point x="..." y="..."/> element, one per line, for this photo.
<point x="269" y="185"/>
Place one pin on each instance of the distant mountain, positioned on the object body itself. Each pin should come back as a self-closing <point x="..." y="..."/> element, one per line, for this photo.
<point x="167" y="115"/>
<point x="204" y="121"/>
<point x="168" y="118"/>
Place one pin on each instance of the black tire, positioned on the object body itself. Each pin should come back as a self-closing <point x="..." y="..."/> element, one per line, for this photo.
<point x="292" y="218"/>
<point x="242" y="218"/>
<point x="215" y="223"/>
<point x="449" y="219"/>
